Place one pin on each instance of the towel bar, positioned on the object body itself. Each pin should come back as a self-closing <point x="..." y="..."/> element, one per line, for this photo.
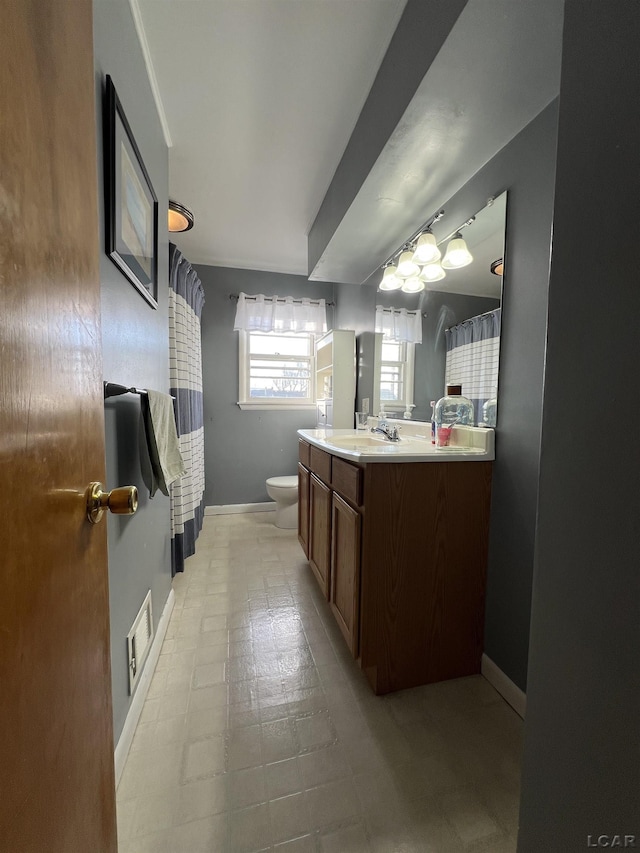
<point x="113" y="389"/>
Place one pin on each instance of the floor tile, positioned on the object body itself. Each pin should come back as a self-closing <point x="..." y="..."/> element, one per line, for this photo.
<point x="331" y="803"/>
<point x="283" y="777"/>
<point x="204" y="758"/>
<point x="249" y="829"/>
<point x="315" y="731"/>
<point x="289" y="817"/>
<point x="247" y="787"/>
<point x="260" y="732"/>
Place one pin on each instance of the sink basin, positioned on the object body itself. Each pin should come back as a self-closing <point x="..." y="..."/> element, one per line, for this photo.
<point x="364" y="443"/>
<point x="361" y="440"/>
<point x="414" y="446"/>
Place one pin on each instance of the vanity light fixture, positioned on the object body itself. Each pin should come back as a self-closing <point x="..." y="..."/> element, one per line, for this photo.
<point x="497" y="266"/>
<point x="390" y="279"/>
<point x="427" y="251"/>
<point x="413" y="284"/>
<point x="180" y="217"/>
<point x="406" y="265"/>
<point x="432" y="272"/>
<point x="457" y="254"/>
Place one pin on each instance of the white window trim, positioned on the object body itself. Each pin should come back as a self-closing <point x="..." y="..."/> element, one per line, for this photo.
<point x="273" y="405"/>
<point x="409" y="372"/>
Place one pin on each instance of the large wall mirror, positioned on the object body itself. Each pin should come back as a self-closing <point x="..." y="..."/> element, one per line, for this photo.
<point x="452" y="304"/>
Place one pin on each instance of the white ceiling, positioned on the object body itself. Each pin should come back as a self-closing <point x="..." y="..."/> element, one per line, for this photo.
<point x="259" y="99"/>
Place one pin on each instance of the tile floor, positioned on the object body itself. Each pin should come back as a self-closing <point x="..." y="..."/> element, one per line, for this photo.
<point x="260" y="732"/>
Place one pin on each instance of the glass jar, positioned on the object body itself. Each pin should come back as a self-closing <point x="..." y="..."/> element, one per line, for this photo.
<point x="452" y="410"/>
<point x="490" y="413"/>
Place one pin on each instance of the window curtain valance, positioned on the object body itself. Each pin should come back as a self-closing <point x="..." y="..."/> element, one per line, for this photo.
<point x="262" y="313"/>
<point x="398" y="324"/>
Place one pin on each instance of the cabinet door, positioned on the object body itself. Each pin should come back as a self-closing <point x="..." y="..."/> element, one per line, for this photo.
<point x="303" y="508"/>
<point x="320" y="532"/>
<point x="345" y="570"/>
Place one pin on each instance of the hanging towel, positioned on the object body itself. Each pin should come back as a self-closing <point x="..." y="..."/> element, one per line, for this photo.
<point x="167" y="464"/>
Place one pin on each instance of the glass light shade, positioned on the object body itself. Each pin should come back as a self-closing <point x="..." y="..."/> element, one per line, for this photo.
<point x="497" y="267"/>
<point x="413" y="285"/>
<point x="432" y="272"/>
<point x="180" y="217"/>
<point x="406" y="265"/>
<point x="457" y="254"/>
<point x="390" y="280"/>
<point x="427" y="251"/>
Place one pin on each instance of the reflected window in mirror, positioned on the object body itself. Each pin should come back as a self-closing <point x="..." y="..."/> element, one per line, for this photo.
<point x="396" y="375"/>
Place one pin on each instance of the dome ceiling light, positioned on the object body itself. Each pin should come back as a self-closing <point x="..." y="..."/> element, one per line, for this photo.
<point x="180" y="218"/>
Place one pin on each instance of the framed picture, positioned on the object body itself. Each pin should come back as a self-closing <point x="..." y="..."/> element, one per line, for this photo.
<point x="131" y="206"/>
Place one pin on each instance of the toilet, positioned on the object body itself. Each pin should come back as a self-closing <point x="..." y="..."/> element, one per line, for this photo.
<point x="284" y="491"/>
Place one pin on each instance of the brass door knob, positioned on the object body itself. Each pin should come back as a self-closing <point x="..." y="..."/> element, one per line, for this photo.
<point x="122" y="501"/>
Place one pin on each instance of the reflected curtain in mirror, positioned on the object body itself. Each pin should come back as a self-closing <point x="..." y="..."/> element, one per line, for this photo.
<point x="398" y="324"/>
<point x="473" y="349"/>
<point x="186" y="298"/>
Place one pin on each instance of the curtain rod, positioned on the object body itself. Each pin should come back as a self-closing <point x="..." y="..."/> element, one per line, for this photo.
<point x="475" y="317"/>
<point x="236" y="296"/>
<point x="408" y="310"/>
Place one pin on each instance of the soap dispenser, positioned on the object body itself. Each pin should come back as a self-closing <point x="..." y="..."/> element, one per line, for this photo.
<point x="451" y="410"/>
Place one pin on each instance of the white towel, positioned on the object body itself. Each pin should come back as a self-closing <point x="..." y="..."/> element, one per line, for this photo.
<point x="166" y="460"/>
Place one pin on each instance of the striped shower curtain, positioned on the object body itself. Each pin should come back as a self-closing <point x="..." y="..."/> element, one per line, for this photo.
<point x="186" y="298"/>
<point x="473" y="350"/>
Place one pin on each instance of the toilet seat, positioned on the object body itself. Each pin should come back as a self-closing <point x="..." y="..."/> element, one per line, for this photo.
<point x="288" y="482"/>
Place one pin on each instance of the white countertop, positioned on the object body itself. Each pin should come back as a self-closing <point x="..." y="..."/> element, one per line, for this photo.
<point x="467" y="444"/>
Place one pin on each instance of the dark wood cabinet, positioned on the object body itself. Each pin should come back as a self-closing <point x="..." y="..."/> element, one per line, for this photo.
<point x="400" y="551"/>
<point x="345" y="570"/>
<point x="320" y="532"/>
<point x="303" y="508"/>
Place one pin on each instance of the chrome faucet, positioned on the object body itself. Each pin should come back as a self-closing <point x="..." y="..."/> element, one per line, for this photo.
<point x="390" y="432"/>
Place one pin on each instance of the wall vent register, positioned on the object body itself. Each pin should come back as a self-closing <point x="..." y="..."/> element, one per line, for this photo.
<point x="139" y="641"/>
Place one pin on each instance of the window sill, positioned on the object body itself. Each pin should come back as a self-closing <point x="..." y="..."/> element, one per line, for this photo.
<point x="276" y="407"/>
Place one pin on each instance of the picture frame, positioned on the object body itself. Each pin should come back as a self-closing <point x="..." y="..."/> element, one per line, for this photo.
<point x="131" y="205"/>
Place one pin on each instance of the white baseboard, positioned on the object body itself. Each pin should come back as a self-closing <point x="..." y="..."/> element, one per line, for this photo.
<point x="509" y="691"/>
<point x="228" y="509"/>
<point x="135" y="709"/>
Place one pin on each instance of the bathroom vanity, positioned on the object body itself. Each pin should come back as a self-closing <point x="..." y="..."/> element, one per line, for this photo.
<point x="397" y="538"/>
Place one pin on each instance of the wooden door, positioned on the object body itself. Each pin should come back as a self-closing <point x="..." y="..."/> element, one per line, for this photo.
<point x="320" y="532"/>
<point x="303" y="508"/>
<point x="56" y="740"/>
<point x="345" y="570"/>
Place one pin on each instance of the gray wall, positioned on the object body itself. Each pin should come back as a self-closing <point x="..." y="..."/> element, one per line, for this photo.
<point x="135" y="352"/>
<point x="581" y="774"/>
<point x="243" y="448"/>
<point x="526" y="168"/>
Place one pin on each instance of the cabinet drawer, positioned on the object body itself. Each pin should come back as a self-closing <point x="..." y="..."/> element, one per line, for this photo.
<point x="303" y="452"/>
<point x="320" y="463"/>
<point x="346" y="479"/>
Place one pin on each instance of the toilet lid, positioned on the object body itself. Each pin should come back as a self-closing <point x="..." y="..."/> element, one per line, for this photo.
<point x="290" y="482"/>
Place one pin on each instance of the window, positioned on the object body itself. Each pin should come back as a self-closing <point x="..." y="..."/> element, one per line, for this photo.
<point x="276" y="370"/>
<point x="396" y="375"/>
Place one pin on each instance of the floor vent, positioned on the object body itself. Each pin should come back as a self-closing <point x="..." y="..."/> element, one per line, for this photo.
<point x="139" y="641"/>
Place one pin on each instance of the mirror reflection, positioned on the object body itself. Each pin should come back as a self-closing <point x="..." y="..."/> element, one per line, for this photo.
<point x="460" y="316"/>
